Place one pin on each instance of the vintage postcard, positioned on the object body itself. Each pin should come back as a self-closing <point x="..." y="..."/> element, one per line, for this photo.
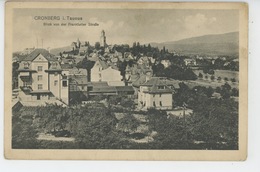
<point x="126" y="81"/>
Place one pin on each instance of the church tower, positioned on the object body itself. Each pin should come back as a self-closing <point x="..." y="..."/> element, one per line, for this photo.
<point x="103" y="39"/>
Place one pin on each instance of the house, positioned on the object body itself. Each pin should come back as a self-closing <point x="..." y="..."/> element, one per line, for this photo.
<point x="156" y="93"/>
<point x="41" y="78"/>
<point x="15" y="59"/>
<point x="190" y="62"/>
<point x="103" y="88"/>
<point x="137" y="75"/>
<point x="78" y="83"/>
<point x="83" y="50"/>
<point x="166" y="63"/>
<point x="102" y="71"/>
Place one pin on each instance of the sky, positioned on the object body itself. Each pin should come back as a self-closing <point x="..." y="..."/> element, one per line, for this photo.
<point x="121" y="26"/>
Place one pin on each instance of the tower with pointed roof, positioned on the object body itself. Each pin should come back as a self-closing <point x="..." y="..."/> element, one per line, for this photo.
<point x="103" y="39"/>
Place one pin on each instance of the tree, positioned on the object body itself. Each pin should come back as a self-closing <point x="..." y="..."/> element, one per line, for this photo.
<point x="97" y="45"/>
<point x="52" y="118"/>
<point x="233" y="80"/>
<point x="15" y="66"/>
<point x="218" y="89"/>
<point x="212" y="125"/>
<point x="122" y="67"/>
<point x="225" y="91"/>
<point x="208" y="70"/>
<point x="24" y="133"/>
<point x="226" y="79"/>
<point x="158" y="70"/>
<point x="219" y="78"/>
<point x="200" y="75"/>
<point x="209" y="91"/>
<point x="212" y="77"/>
<point x="95" y="128"/>
<point x="127" y="102"/>
<point x="88" y="65"/>
<point x="182" y="95"/>
<point x="171" y="131"/>
<point x="234" y="92"/>
<point x="189" y="75"/>
<point x="128" y="124"/>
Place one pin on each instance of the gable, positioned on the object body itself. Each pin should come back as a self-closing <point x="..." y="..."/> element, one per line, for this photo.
<point x="110" y="69"/>
<point x="40" y="58"/>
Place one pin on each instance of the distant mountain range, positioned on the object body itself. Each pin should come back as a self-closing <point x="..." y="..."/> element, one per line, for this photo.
<point x="56" y="51"/>
<point x="218" y="44"/>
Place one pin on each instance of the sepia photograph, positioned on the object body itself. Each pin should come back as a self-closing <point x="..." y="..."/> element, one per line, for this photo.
<point x="126" y="78"/>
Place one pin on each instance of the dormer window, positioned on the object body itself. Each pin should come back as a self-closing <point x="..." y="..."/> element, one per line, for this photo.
<point x="26" y="65"/>
<point x="39" y="68"/>
<point x="54" y="65"/>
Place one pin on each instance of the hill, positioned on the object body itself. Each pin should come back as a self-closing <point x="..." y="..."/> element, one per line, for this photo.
<point x="56" y="51"/>
<point x="218" y="44"/>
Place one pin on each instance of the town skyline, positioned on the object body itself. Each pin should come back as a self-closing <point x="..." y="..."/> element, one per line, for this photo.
<point x="121" y="28"/>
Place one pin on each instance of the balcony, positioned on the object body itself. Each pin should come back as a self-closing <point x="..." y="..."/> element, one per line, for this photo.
<point x="26" y="89"/>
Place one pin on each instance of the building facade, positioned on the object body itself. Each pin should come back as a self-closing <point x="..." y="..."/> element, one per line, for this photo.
<point x="42" y="78"/>
<point x="102" y="72"/>
<point x="155" y="93"/>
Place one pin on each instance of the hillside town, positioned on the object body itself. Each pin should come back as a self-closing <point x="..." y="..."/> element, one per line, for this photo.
<point x="129" y="81"/>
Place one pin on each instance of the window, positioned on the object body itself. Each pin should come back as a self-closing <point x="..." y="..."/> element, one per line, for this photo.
<point x="55" y="83"/>
<point x="82" y="87"/>
<point x="39" y="69"/>
<point x="90" y="88"/>
<point x="26" y="65"/>
<point x="54" y="65"/>
<point x="64" y="83"/>
<point x="160" y="103"/>
<point x="160" y="87"/>
<point x="153" y="95"/>
<point x="39" y="77"/>
<point x="160" y="95"/>
<point x="154" y="104"/>
<point x="39" y="86"/>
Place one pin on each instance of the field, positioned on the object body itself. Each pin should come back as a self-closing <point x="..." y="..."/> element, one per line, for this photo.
<point x="221" y="73"/>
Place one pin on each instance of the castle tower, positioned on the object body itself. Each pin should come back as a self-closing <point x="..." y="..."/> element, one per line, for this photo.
<point x="78" y="43"/>
<point x="103" y="39"/>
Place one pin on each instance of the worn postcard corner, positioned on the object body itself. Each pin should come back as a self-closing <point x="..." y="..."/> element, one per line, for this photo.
<point x="126" y="81"/>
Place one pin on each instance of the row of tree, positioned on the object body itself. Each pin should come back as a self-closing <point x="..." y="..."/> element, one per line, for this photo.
<point x="174" y="72"/>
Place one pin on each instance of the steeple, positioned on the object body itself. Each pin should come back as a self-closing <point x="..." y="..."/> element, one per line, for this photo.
<point x="103" y="39"/>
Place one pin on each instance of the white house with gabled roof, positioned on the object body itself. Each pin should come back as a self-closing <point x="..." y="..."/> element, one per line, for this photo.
<point x="41" y="78"/>
<point x="156" y="93"/>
